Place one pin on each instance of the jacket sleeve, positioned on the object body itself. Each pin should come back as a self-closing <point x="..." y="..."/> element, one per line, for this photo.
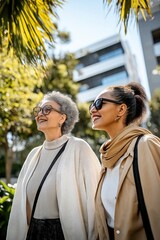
<point x="77" y="179"/>
<point x="18" y="211"/>
<point x="149" y="167"/>
<point x="90" y="167"/>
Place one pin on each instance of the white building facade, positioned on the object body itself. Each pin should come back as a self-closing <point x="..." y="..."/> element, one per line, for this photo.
<point x="150" y="40"/>
<point x="107" y="62"/>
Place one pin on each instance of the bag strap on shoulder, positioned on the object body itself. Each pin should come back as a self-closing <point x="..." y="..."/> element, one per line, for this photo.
<point x="140" y="196"/>
<point x="45" y="176"/>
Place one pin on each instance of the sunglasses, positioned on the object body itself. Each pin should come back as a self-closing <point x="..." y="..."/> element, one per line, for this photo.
<point x="45" y="110"/>
<point x="100" y="101"/>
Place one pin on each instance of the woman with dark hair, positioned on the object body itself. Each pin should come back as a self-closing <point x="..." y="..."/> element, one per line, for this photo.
<point x="120" y="111"/>
<point x="55" y="191"/>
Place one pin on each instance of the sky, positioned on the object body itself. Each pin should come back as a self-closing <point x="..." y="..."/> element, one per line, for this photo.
<point x="89" y="21"/>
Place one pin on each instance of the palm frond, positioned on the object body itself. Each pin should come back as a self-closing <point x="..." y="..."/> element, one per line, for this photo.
<point x="126" y="9"/>
<point x="27" y="24"/>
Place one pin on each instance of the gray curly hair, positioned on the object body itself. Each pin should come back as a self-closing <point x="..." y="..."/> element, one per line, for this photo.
<point x="67" y="106"/>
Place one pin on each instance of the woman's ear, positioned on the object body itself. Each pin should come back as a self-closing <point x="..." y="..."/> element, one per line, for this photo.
<point x="63" y="118"/>
<point x="122" y="109"/>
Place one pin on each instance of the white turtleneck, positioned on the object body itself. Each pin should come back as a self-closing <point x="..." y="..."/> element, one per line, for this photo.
<point x="48" y="152"/>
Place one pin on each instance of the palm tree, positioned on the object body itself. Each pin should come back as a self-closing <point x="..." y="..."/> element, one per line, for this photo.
<point x="126" y="9"/>
<point x="27" y="25"/>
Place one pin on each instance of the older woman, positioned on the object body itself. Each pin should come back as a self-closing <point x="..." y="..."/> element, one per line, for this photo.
<point x="119" y="110"/>
<point x="64" y="202"/>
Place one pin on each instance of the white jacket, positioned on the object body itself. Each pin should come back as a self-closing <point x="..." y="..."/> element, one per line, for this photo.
<point x="77" y="174"/>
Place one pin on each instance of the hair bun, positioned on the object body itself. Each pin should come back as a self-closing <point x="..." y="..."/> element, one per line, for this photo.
<point x="138" y="89"/>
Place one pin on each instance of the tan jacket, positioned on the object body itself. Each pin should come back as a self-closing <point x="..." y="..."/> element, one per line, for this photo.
<point x="128" y="223"/>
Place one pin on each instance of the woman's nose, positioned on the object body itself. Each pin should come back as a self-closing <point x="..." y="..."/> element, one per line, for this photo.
<point x="92" y="109"/>
<point x="40" y="113"/>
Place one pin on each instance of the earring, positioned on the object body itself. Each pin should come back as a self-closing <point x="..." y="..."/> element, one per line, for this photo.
<point x="59" y="125"/>
<point x="117" y="118"/>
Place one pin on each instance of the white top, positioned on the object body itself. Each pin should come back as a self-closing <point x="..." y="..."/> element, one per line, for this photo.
<point x="109" y="191"/>
<point x="48" y="152"/>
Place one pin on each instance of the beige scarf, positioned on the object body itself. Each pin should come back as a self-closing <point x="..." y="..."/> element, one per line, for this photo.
<point x="112" y="150"/>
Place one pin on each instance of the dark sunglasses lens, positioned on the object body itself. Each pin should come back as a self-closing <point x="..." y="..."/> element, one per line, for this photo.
<point x="98" y="104"/>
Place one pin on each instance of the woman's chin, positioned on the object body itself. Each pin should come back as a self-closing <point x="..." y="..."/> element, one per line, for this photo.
<point x="41" y="128"/>
<point x="95" y="127"/>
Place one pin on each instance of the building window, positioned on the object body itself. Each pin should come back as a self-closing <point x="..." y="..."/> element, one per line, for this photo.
<point x="114" y="78"/>
<point x="156" y="35"/>
<point x="79" y="66"/>
<point x="100" y="55"/>
<point x="156" y="40"/>
<point x="158" y="60"/>
<point x="83" y="87"/>
<point x="110" y="54"/>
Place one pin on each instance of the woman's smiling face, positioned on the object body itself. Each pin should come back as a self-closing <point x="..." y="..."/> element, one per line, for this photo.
<point x="49" y="123"/>
<point x="107" y="113"/>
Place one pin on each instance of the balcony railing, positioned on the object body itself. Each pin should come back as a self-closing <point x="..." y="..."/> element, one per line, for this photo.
<point x="98" y="68"/>
<point x="90" y="94"/>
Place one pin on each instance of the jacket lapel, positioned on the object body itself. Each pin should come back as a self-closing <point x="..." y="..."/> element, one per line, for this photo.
<point x="126" y="164"/>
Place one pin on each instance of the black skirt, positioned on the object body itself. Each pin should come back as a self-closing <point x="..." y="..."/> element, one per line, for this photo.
<point x="45" y="229"/>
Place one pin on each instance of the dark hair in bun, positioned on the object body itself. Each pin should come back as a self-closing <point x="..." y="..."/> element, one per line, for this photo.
<point x="134" y="96"/>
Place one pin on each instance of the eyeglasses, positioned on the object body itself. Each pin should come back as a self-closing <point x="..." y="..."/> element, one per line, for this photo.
<point x="45" y="110"/>
<point x="100" y="101"/>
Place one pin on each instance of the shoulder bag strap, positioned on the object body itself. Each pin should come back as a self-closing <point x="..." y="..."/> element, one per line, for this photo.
<point x="141" y="201"/>
<point x="44" y="177"/>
